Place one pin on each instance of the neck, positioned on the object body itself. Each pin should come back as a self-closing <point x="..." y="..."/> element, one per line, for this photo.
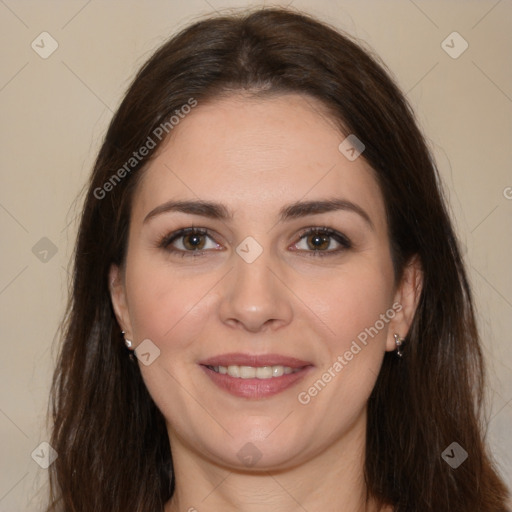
<point x="332" y="480"/>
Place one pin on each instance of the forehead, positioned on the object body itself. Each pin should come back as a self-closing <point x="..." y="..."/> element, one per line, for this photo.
<point x="256" y="155"/>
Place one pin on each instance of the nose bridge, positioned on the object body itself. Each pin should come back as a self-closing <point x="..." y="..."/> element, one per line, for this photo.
<point x="255" y="276"/>
<point x="254" y="297"/>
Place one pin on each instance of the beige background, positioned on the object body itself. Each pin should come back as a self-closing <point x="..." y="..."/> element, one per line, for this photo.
<point x="55" y="112"/>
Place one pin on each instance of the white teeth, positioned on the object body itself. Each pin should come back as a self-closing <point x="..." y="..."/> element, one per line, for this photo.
<point x="264" y="372"/>
<point x="246" y="372"/>
<point x="233" y="371"/>
<point x="277" y="371"/>
<point x="252" y="372"/>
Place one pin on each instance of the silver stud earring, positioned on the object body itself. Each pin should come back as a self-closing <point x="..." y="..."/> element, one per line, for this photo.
<point x="128" y="343"/>
<point x="399" y="342"/>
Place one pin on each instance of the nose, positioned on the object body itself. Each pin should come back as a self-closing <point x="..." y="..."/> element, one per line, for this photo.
<point x="254" y="296"/>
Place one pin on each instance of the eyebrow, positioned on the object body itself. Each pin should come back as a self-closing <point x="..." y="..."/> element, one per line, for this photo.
<point x="292" y="211"/>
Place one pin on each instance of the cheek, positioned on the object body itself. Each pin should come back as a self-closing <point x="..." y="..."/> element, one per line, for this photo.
<point x="168" y="308"/>
<point x="357" y="309"/>
<point x="351" y="303"/>
<point x="367" y="310"/>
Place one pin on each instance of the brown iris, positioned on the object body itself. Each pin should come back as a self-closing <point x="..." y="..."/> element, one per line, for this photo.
<point x="194" y="241"/>
<point x="318" y="241"/>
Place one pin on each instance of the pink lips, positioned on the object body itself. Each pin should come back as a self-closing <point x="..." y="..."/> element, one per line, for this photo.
<point x="254" y="360"/>
<point x="255" y="388"/>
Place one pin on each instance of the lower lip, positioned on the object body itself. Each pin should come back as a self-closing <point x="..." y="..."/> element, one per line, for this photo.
<point x="255" y="388"/>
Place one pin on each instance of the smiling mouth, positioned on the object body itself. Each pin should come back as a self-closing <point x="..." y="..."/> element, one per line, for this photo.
<point x="254" y="372"/>
<point x="245" y="383"/>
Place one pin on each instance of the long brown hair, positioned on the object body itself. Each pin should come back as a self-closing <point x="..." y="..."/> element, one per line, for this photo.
<point x="111" y="439"/>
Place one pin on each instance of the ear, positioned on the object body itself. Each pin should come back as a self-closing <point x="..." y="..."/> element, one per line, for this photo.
<point x="406" y="301"/>
<point x="118" y="298"/>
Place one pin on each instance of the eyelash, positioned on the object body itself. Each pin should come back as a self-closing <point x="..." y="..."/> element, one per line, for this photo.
<point x="167" y="240"/>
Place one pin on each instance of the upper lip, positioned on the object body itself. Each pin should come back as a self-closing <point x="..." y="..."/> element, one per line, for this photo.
<point x="239" y="359"/>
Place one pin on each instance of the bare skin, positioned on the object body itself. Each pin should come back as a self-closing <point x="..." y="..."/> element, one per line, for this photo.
<point x="257" y="157"/>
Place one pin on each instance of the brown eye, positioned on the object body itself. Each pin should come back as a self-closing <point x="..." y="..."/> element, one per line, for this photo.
<point x="322" y="242"/>
<point x="189" y="241"/>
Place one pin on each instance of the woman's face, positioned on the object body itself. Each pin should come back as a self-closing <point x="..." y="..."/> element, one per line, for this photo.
<point x="264" y="324"/>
